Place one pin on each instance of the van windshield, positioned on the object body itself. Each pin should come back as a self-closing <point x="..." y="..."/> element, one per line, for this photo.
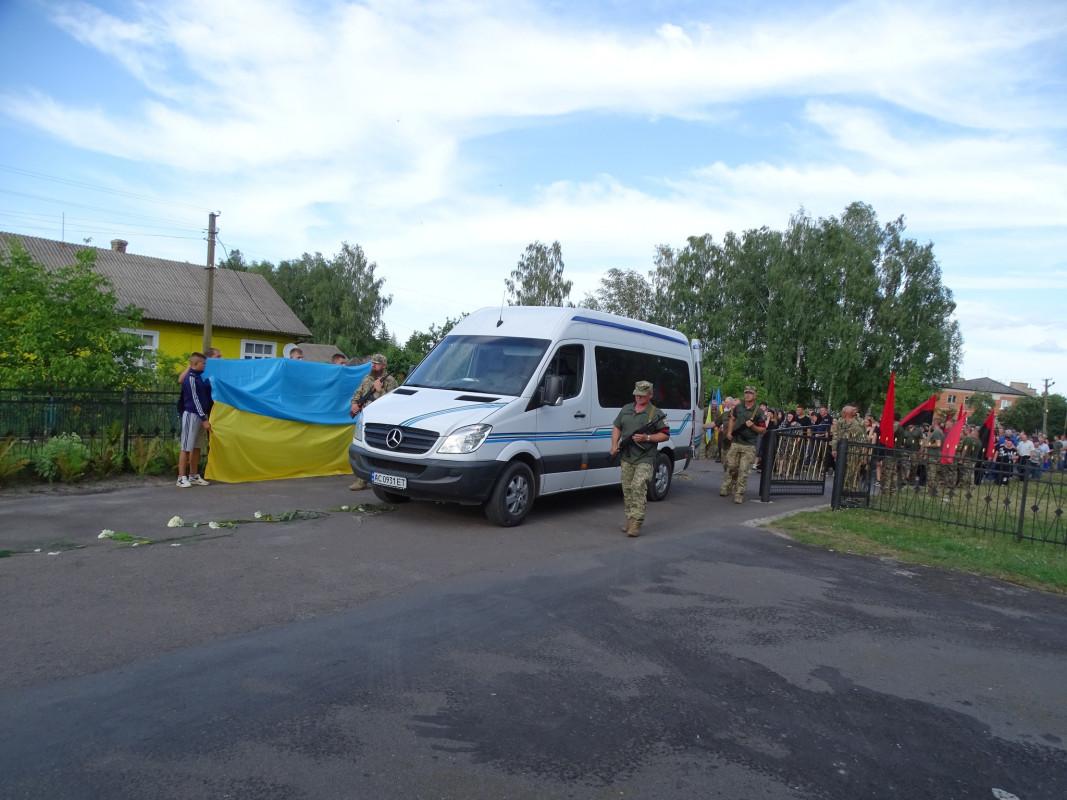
<point x="487" y="364"/>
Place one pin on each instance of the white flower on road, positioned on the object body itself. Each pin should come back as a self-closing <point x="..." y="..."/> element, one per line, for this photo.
<point x="258" y="515"/>
<point x="175" y="522"/>
<point x="214" y="525"/>
<point x="106" y="533"/>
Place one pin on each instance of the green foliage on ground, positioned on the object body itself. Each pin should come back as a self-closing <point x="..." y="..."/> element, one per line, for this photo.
<point x="65" y="457"/>
<point x="909" y="540"/>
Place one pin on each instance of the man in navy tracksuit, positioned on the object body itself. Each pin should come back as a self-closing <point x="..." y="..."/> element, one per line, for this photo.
<point x="196" y="404"/>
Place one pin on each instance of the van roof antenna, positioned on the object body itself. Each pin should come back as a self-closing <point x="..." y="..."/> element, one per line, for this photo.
<point x="500" y="319"/>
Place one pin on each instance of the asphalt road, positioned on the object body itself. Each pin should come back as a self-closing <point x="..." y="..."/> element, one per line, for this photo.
<point x="423" y="653"/>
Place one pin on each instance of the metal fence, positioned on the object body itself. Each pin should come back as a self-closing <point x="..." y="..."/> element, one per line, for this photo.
<point x="33" y="417"/>
<point x="794" y="462"/>
<point x="1023" y="501"/>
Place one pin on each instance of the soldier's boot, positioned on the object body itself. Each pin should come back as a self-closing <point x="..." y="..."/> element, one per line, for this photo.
<point x="739" y="498"/>
<point x="634" y="528"/>
<point x="725" y="491"/>
<point x="626" y="526"/>
<point x="358" y="484"/>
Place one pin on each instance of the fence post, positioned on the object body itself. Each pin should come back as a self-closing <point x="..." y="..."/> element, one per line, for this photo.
<point x="839" y="473"/>
<point x="126" y="425"/>
<point x="767" y="464"/>
<point x="1022" y="504"/>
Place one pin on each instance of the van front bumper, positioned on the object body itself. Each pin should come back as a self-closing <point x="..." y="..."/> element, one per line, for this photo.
<point x="429" y="478"/>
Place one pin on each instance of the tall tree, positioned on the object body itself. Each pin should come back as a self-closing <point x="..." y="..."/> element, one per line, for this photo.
<point x="340" y="299"/>
<point x="538" y="278"/>
<point x="62" y="328"/>
<point x="622" y="292"/>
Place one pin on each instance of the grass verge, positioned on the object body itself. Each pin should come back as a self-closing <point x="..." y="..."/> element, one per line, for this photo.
<point x="914" y="541"/>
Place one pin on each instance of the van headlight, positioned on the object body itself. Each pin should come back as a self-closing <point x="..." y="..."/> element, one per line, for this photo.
<point x="465" y="440"/>
<point x="357" y="436"/>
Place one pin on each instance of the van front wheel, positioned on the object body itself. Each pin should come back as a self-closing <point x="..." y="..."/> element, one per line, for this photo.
<point x="661" y="477"/>
<point x="512" y="496"/>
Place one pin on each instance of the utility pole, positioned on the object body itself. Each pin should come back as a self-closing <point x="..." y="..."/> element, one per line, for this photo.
<point x="1044" y="421"/>
<point x="209" y="291"/>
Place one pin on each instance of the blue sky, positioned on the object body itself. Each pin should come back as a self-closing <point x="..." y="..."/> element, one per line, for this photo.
<point x="444" y="137"/>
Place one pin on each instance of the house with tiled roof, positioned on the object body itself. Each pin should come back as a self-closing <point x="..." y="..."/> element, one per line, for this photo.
<point x="1004" y="395"/>
<point x="249" y="319"/>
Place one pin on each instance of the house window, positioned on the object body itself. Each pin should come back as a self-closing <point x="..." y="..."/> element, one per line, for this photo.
<point x="951" y="399"/>
<point x="149" y="344"/>
<point x="1005" y="404"/>
<point x="250" y="348"/>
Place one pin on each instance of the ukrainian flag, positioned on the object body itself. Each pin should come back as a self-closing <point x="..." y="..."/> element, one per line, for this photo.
<point x="279" y="418"/>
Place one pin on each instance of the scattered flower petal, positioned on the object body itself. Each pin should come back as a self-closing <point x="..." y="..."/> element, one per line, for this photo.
<point x="106" y="533"/>
<point x="259" y="515"/>
<point x="54" y="553"/>
<point x="175" y="522"/>
<point x="214" y="525"/>
<point x="175" y="544"/>
<point x="38" y="550"/>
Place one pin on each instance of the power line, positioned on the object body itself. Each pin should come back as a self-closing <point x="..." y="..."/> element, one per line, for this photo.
<point x="94" y="208"/>
<point x="95" y="188"/>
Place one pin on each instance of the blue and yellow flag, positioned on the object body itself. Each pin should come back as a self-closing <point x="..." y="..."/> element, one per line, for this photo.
<point x="279" y="418"/>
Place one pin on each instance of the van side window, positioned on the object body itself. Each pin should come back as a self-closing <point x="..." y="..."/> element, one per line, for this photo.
<point x="569" y="364"/>
<point x="617" y="370"/>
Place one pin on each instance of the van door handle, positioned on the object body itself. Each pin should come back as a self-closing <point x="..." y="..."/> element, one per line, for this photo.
<point x="579" y="415"/>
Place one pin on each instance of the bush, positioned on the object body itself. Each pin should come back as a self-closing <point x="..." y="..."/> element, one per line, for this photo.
<point x="146" y="455"/>
<point x="106" y="451"/>
<point x="63" y="456"/>
<point x="10" y="464"/>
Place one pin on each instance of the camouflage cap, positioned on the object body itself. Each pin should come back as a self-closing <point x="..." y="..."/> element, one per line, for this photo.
<point x="377" y="358"/>
<point x="750" y="389"/>
<point x="642" y="388"/>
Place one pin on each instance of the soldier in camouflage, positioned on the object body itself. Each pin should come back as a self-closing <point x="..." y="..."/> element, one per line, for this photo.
<point x="375" y="383"/>
<point x="639" y="458"/>
<point x="851" y="428"/>
<point x="746" y="422"/>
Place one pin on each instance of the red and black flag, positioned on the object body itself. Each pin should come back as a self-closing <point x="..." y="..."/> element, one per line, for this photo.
<point x="987" y="436"/>
<point x="886" y="434"/>
<point x="952" y="438"/>
<point x="922" y="415"/>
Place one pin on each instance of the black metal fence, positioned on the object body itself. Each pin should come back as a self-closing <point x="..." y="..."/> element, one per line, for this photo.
<point x="33" y="417"/>
<point x="793" y="462"/>
<point x="1021" y="500"/>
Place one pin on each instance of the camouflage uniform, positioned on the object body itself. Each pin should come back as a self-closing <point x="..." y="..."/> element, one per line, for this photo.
<point x="637" y="461"/>
<point x="937" y="474"/>
<point x="894" y="465"/>
<point x="910" y="442"/>
<point x="741" y="454"/>
<point x="852" y="429"/>
<point x="969" y="461"/>
<point x="366" y="385"/>
<point x="721" y="422"/>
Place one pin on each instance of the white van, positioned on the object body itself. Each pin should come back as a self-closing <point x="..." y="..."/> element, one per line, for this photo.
<point x="518" y="402"/>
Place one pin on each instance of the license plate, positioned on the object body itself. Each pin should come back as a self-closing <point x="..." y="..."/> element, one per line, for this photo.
<point x="394" y="481"/>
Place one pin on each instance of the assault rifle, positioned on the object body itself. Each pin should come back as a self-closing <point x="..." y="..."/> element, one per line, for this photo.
<point x="369" y="393"/>
<point x="627" y="443"/>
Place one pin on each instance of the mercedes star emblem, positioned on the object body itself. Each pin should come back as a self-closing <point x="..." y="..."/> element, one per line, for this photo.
<point x="394" y="438"/>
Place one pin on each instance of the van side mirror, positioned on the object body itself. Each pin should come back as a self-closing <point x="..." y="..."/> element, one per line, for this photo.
<point x="552" y="394"/>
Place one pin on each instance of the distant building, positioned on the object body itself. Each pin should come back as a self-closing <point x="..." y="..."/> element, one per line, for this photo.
<point x="249" y="318"/>
<point x="1004" y="396"/>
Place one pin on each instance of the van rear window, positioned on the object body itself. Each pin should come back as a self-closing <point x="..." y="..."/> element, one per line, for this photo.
<point x="617" y="371"/>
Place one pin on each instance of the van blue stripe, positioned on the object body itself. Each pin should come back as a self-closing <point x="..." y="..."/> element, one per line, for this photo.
<point x="566" y="436"/>
<point x="412" y="420"/>
<point x="632" y="329"/>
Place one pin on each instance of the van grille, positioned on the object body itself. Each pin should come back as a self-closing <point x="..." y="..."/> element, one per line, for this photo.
<point x="414" y="441"/>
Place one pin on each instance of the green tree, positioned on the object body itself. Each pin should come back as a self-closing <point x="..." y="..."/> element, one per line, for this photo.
<point x="538" y="278"/>
<point x="404" y="359"/>
<point x="622" y="292"/>
<point x="1028" y="413"/>
<point x="340" y="299"/>
<point x="61" y="327"/>
<point x="980" y="403"/>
